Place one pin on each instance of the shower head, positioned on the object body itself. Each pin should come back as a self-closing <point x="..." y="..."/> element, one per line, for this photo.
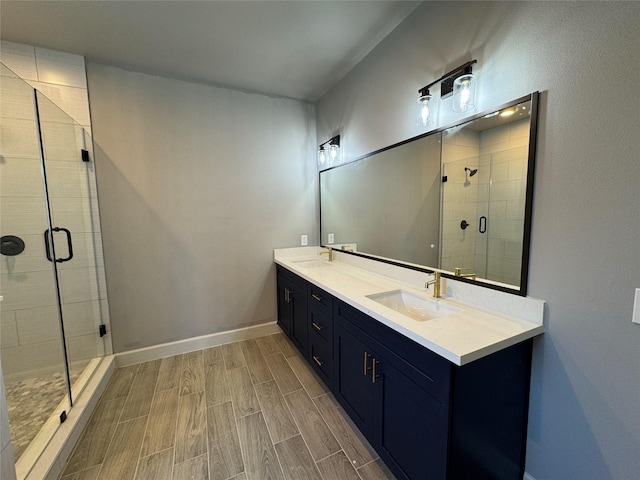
<point x="471" y="172"/>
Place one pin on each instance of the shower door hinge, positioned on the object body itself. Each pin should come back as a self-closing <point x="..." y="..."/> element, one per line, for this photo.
<point x="102" y="329"/>
<point x="85" y="155"/>
<point x="63" y="416"/>
<point x="444" y="178"/>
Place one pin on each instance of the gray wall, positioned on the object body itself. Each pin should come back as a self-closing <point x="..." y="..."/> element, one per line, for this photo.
<point x="585" y="259"/>
<point x="196" y="185"/>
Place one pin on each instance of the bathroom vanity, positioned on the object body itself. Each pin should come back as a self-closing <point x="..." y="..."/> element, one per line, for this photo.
<point x="439" y="395"/>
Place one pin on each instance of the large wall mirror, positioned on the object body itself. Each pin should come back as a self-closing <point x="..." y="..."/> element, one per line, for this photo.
<point x="458" y="199"/>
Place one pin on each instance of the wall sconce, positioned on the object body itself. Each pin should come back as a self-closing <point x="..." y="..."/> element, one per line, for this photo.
<point x="460" y="82"/>
<point x="329" y="151"/>
<point x="426" y="108"/>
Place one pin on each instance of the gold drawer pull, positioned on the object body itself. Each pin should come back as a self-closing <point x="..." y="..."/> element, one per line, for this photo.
<point x="316" y="326"/>
<point x="317" y="360"/>
<point x="366" y="367"/>
<point x="316" y="297"/>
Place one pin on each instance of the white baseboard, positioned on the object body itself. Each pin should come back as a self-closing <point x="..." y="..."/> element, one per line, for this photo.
<point x="528" y="476"/>
<point x="156" y="352"/>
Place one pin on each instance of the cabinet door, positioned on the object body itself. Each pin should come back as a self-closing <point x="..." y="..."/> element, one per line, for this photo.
<point x="412" y="433"/>
<point x="353" y="386"/>
<point x="284" y="307"/>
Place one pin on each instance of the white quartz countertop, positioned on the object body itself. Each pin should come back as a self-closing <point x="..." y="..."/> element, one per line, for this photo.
<point x="461" y="337"/>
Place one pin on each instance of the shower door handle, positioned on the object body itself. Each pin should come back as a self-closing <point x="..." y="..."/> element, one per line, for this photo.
<point x="47" y="248"/>
<point x="482" y="224"/>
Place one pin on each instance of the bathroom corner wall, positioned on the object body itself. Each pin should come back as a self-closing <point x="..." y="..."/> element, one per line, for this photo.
<point x="198" y="185"/>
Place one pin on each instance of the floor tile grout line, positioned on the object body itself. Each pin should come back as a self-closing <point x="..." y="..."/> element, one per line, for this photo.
<point x="331" y="430"/>
<point x="273" y="379"/>
<point x="146" y="426"/>
<point x="235" y="420"/>
<point x="206" y="423"/>
<point x="293" y="418"/>
<point x="261" y="411"/>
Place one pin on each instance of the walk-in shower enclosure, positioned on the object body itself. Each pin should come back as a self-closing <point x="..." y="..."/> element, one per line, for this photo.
<point x="54" y="311"/>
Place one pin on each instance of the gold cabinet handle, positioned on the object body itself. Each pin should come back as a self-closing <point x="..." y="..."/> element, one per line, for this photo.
<point x="317" y="360"/>
<point x="316" y="326"/>
<point x="366" y="367"/>
<point x="374" y="374"/>
<point x="316" y="297"/>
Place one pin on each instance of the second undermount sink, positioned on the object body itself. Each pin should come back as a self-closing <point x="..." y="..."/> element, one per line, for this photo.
<point x="414" y="306"/>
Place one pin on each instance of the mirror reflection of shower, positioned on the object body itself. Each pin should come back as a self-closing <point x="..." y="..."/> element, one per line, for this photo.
<point x="469" y="172"/>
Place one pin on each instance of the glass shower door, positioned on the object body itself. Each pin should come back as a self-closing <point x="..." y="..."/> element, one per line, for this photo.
<point x="54" y="312"/>
<point x="33" y="360"/>
<point x="75" y="236"/>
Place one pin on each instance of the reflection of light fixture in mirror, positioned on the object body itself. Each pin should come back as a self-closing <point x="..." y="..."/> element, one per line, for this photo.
<point x="425" y="109"/>
<point x="460" y="82"/>
<point x="507" y="113"/>
<point x="329" y="151"/>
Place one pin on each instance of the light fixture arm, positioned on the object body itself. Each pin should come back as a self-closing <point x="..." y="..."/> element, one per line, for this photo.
<point x="449" y="77"/>
<point x="332" y="141"/>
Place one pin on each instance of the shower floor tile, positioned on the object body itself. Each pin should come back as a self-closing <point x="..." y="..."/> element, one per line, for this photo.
<point x="30" y="403"/>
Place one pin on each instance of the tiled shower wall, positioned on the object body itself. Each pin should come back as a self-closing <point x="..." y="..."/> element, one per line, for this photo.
<point x="497" y="191"/>
<point x="30" y="339"/>
<point x="460" y="199"/>
<point x="506" y="150"/>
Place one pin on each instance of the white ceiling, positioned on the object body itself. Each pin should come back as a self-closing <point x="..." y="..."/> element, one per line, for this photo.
<point x="297" y="49"/>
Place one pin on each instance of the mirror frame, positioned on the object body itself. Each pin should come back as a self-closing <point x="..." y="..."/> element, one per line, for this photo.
<point x="528" y="209"/>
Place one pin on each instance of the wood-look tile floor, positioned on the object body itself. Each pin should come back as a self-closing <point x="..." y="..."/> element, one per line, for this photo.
<point x="250" y="410"/>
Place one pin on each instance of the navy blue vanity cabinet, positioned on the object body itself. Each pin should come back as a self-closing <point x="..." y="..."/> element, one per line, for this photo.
<point x="389" y="400"/>
<point x="292" y="308"/>
<point x="320" y="324"/>
<point x="427" y="418"/>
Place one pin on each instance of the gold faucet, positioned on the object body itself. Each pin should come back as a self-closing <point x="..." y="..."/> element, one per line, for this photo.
<point x="329" y="251"/>
<point x="436" y="284"/>
<point x="458" y="273"/>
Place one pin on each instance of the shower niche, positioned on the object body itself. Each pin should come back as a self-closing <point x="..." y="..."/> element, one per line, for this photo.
<point x="51" y="266"/>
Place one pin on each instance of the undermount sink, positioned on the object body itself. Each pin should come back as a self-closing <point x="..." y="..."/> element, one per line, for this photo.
<point x="311" y="263"/>
<point x="414" y="306"/>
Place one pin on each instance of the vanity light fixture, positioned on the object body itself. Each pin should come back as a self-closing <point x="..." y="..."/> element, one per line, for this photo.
<point x="426" y="108"/>
<point x="329" y="151"/>
<point x="460" y="82"/>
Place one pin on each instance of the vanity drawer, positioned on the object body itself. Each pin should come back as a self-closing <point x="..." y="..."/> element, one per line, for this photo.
<point x="320" y="300"/>
<point x="321" y="358"/>
<point x="320" y="325"/>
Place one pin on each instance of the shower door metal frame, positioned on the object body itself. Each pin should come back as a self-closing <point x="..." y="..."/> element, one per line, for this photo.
<point x="52" y="246"/>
